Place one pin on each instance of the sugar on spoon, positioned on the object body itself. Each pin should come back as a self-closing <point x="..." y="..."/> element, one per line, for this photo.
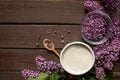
<point x="48" y="44"/>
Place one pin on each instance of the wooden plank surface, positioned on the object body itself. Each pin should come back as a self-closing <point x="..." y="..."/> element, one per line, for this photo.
<point x="18" y="59"/>
<point x="26" y="36"/>
<point x="23" y="21"/>
<point x="44" y="11"/>
<point x="11" y="76"/>
<point x="41" y="11"/>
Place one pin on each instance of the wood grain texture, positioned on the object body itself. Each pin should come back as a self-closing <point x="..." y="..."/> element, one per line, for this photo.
<point x="11" y="76"/>
<point x="117" y="66"/>
<point x="41" y="11"/>
<point x="18" y="59"/>
<point x="23" y="21"/>
<point x="26" y="36"/>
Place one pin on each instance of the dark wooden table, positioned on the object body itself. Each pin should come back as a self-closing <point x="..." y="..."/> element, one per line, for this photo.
<point x="22" y="21"/>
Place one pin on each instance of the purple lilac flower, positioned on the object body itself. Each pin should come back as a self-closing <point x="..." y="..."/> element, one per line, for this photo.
<point x="55" y="32"/>
<point x="100" y="74"/>
<point x="59" y="32"/>
<point x="62" y="41"/>
<point x="48" y="66"/>
<point x="40" y="58"/>
<point x="109" y="51"/>
<point x="115" y="45"/>
<point x="108" y="65"/>
<point x="100" y="57"/>
<point x="48" y="32"/>
<point x="113" y="56"/>
<point x="37" y="44"/>
<point x="111" y="6"/>
<point x="27" y="74"/>
<point x="69" y="31"/>
<point x="94" y="27"/>
<point x="92" y="5"/>
<point x="39" y="37"/>
<point x="49" y="44"/>
<point x="44" y="66"/>
<point x="105" y="57"/>
<point x="101" y="46"/>
<point x="114" y="29"/>
<point x="62" y="37"/>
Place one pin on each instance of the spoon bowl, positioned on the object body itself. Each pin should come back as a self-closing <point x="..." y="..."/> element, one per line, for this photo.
<point x="48" y="44"/>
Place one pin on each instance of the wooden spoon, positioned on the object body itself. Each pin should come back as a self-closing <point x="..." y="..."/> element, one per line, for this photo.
<point x="48" y="44"/>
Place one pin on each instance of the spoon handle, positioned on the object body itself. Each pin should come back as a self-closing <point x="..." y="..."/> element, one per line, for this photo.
<point x="56" y="52"/>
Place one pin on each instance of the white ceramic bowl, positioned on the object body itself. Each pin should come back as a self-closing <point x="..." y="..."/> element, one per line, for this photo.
<point x="67" y="66"/>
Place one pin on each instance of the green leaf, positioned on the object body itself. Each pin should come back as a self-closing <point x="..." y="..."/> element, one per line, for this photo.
<point x="79" y="79"/>
<point x="92" y="78"/>
<point x="32" y="79"/>
<point x="83" y="78"/>
<point x="109" y="75"/>
<point x="106" y="78"/>
<point x="55" y="77"/>
<point x="51" y="77"/>
<point x="41" y="76"/>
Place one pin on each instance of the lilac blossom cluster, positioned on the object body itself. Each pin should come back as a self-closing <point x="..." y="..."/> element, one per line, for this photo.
<point x="44" y="66"/>
<point x="94" y="27"/>
<point x="48" y="66"/>
<point x="108" y="52"/>
<point x="111" y="6"/>
<point x="105" y="57"/>
<point x="115" y="28"/>
<point x="108" y="6"/>
<point x="100" y="72"/>
<point x="27" y="74"/>
<point x="92" y="5"/>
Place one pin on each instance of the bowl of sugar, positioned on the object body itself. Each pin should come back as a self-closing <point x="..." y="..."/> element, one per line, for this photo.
<point x="77" y="58"/>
